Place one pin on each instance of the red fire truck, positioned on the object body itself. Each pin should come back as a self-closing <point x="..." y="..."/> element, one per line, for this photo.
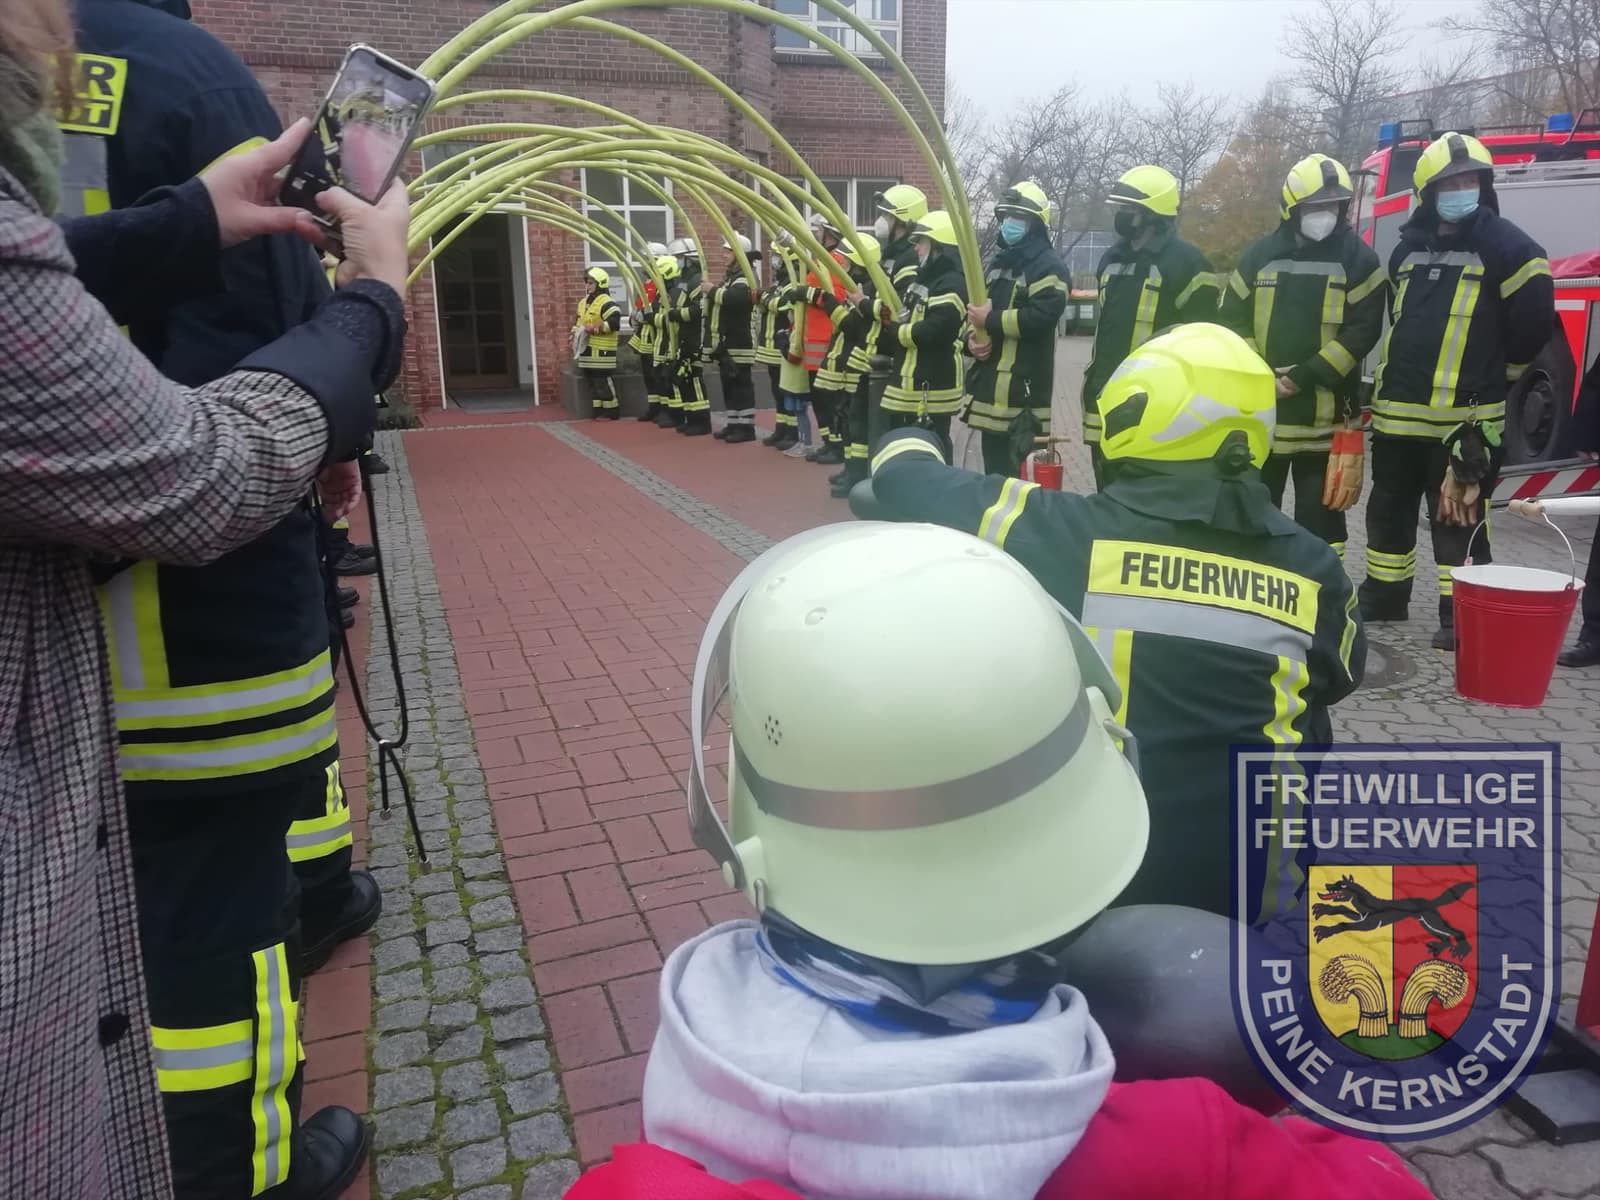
<point x="1548" y="182"/>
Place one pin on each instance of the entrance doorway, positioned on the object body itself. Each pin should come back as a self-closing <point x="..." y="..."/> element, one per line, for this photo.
<point x="482" y="326"/>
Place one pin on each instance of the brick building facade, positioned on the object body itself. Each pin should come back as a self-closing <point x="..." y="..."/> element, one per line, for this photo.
<point x="493" y="314"/>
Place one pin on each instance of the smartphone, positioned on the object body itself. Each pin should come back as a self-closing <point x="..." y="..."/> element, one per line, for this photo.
<point x="368" y="120"/>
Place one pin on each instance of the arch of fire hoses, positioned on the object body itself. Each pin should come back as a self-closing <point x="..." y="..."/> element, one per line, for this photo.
<point x="513" y="174"/>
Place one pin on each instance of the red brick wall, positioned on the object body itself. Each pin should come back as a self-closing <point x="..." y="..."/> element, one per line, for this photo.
<point x="827" y="114"/>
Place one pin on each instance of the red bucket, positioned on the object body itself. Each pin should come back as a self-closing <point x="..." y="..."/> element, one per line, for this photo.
<point x="1046" y="474"/>
<point x="1510" y="625"/>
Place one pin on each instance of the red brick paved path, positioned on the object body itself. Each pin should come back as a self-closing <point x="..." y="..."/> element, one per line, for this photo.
<point x="577" y="604"/>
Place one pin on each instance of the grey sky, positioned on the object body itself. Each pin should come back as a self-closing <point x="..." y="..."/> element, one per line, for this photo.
<point x="1004" y="51"/>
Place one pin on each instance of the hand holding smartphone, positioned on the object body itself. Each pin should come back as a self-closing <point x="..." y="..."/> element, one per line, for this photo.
<point x="362" y="134"/>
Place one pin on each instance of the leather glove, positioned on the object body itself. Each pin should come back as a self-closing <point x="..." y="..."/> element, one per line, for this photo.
<point x="1458" y="502"/>
<point x="1341" y="484"/>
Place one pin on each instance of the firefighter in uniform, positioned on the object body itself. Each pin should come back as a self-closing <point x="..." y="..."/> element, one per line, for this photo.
<point x="842" y="376"/>
<point x="928" y="386"/>
<point x="1311" y="295"/>
<point x="664" y="383"/>
<point x="1015" y="371"/>
<point x="684" y="311"/>
<point x="858" y="372"/>
<point x="1150" y="279"/>
<point x="1473" y="305"/>
<point x="899" y="210"/>
<point x="222" y="681"/>
<point x="601" y="319"/>
<point x="817" y="336"/>
<point x="772" y="338"/>
<point x="733" y="347"/>
<point x="1224" y="622"/>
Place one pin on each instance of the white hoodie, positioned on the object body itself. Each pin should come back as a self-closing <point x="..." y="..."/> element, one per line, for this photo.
<point x="757" y="1080"/>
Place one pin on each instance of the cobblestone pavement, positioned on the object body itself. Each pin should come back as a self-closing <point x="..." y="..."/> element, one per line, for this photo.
<point x="548" y="608"/>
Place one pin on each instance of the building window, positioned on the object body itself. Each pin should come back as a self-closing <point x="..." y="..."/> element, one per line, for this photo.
<point x="856" y="196"/>
<point x="636" y="204"/>
<point x="882" y="15"/>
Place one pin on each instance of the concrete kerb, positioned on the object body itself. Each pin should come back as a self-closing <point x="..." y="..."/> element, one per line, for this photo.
<point x="454" y="1084"/>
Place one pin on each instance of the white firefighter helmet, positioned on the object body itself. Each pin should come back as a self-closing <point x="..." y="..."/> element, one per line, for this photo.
<point x="683" y="248"/>
<point x="899" y="787"/>
<point x="657" y="249"/>
<point x="745" y="243"/>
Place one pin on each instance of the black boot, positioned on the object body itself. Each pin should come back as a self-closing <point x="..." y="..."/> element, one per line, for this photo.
<point x="722" y="434"/>
<point x="650" y="413"/>
<point x="353" y="559"/>
<point x="735" y="434"/>
<point x="348" y="597"/>
<point x="328" y="1151"/>
<point x="665" y="419"/>
<point x="347" y="619"/>
<point x="773" y="438"/>
<point x="323" y="933"/>
<point x="696" y="425"/>
<point x="1586" y="653"/>
<point x="376" y="464"/>
<point x="831" y="455"/>
<point x="855" y="470"/>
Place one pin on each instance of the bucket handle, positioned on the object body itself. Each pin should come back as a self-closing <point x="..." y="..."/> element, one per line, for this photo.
<point x="1530" y="513"/>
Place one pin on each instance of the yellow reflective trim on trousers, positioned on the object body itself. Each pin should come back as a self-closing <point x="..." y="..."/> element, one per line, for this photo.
<point x="905" y="445"/>
<point x="1336" y="356"/>
<point x="203" y="1058"/>
<point x="995" y="526"/>
<point x="225" y="757"/>
<point x="1156" y="571"/>
<point x="1454" y="345"/>
<point x="130" y="607"/>
<point x="229" y="700"/>
<point x="1093" y="423"/>
<point x="1338" y="548"/>
<point x="1144" y="317"/>
<point x="1447" y="583"/>
<point x="318" y="837"/>
<point x="1391" y="568"/>
<point x="1531" y="269"/>
<point x="277" y="1057"/>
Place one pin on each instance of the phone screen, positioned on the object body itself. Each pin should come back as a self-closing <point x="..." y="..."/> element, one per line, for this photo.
<point x="362" y="133"/>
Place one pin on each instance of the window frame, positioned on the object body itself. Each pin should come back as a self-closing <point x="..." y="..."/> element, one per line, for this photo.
<point x="592" y="256"/>
<point x="853" y="197"/>
<point x="823" y="22"/>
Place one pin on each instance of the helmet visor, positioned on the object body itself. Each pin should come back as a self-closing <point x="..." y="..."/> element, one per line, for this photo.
<point x="712" y="677"/>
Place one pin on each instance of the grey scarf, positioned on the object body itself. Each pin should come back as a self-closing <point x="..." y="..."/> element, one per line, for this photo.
<point x="31" y="147"/>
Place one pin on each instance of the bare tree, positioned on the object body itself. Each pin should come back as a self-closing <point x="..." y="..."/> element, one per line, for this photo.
<point x="1343" y="50"/>
<point x="1188" y="129"/>
<point x="1556" y="42"/>
<point x="966" y="128"/>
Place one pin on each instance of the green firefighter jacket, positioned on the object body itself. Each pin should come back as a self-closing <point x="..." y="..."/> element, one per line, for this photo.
<point x="1142" y="292"/>
<point x="1028" y="288"/>
<point x="1315" y="309"/>
<point x="1216" y="638"/>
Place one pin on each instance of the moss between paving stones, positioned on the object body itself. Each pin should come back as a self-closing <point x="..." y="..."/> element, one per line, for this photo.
<point x="464" y="1094"/>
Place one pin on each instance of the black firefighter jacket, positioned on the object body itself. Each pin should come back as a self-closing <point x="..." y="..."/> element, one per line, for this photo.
<point x="929" y="334"/>
<point x="1470" y="312"/>
<point x="1216" y="638"/>
<point x="1315" y="309"/>
<point x="1028" y="287"/>
<point x="1142" y="292"/>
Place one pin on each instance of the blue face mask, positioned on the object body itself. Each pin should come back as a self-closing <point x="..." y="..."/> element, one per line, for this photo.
<point x="1456" y="206"/>
<point x="1013" y="230"/>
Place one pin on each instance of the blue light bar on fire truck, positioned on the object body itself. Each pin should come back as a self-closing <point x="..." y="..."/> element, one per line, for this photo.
<point x="1559" y="123"/>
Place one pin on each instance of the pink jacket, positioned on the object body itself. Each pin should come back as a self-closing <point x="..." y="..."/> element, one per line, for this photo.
<point x="1150" y="1141"/>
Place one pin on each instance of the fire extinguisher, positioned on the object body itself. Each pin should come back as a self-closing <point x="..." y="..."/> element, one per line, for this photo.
<point x="1044" y="465"/>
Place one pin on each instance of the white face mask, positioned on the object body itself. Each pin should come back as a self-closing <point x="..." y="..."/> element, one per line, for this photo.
<point x="923" y="248"/>
<point x="1318" y="223"/>
<point x="880" y="228"/>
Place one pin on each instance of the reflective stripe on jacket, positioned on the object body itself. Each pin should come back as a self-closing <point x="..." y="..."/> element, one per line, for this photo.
<point x="1314" y="310"/>
<point x="1468" y="315"/>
